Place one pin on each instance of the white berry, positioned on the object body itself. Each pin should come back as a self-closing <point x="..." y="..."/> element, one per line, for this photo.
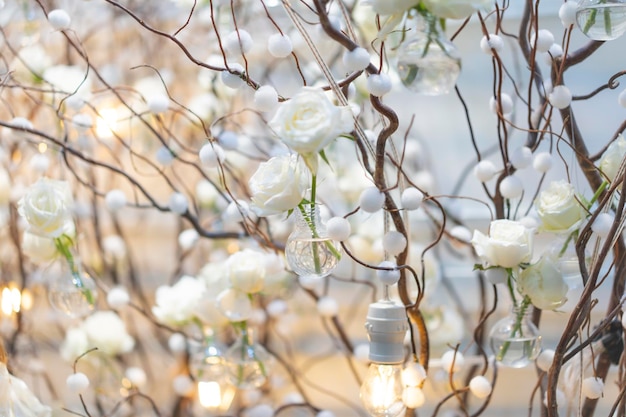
<point x="59" y="19"/>
<point x="494" y="43"/>
<point x="560" y="97"/>
<point x="178" y="203"/>
<point x="521" y="157"/>
<point x="371" y="200"/>
<point x="414" y="374"/>
<point x="115" y="200"/>
<point x="485" y="170"/>
<point x="480" y="386"/>
<point x="511" y="187"/>
<point x="389" y="275"/>
<point x="545" y="359"/>
<point x="327" y="306"/>
<point x="544" y="39"/>
<point x="77" y="383"/>
<point x="279" y="46"/>
<point x="592" y="387"/>
<point x="118" y="297"/>
<point x="543" y="162"/>
<point x="356" y="60"/>
<point x="211" y="155"/>
<point x="378" y="84"/>
<point x="265" y="98"/>
<point x="394" y="242"/>
<point x="338" y="228"/>
<point x="411" y="198"/>
<point x="602" y="224"/>
<point x="567" y="13"/>
<point x="413" y="397"/>
<point x="452" y="361"/>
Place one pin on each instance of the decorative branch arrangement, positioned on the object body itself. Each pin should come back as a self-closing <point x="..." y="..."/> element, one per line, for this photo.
<point x="203" y="201"/>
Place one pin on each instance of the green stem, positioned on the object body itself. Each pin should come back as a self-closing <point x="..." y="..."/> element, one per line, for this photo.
<point x="62" y="244"/>
<point x="246" y="346"/>
<point x="517" y="328"/>
<point x="599" y="191"/>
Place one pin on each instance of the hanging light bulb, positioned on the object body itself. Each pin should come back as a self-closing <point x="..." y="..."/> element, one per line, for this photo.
<point x="215" y="393"/>
<point x="601" y="20"/>
<point x="382" y="388"/>
<point x="428" y="63"/>
<point x="309" y="249"/>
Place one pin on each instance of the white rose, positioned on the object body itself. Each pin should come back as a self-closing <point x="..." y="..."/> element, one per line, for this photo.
<point x="454" y="9"/>
<point x="558" y="208"/>
<point x="179" y="303"/>
<point x="509" y="243"/>
<point x="39" y="249"/>
<point x="214" y="275"/>
<point x="47" y="207"/>
<point x="543" y="283"/>
<point x="388" y="7"/>
<point x="612" y="158"/>
<point x="75" y="344"/>
<point x="106" y="331"/>
<point x="278" y="185"/>
<point x="246" y="271"/>
<point x="16" y="399"/>
<point x="309" y="121"/>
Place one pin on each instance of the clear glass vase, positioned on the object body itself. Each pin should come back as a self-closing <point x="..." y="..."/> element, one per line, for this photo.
<point x="71" y="290"/>
<point x="208" y="366"/>
<point x="309" y="250"/>
<point x="601" y="20"/>
<point x="428" y="63"/>
<point x="515" y="340"/>
<point x="247" y="362"/>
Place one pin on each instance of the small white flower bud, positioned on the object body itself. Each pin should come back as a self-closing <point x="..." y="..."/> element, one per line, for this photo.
<point x="413" y="375"/>
<point x="485" y="170"/>
<point x="560" y="97"/>
<point x="211" y="155"/>
<point x="178" y="203"/>
<point x="158" y="104"/>
<point x="413" y="397"/>
<point x="279" y="46"/>
<point x="511" y="187"/>
<point x="544" y="39"/>
<point x="188" y="238"/>
<point x="59" y="19"/>
<point x="265" y="98"/>
<point x="394" y="242"/>
<point x="378" y="84"/>
<point x="545" y="359"/>
<point x="327" y="306"/>
<point x="115" y="200"/>
<point x="338" y="228"/>
<point x="356" y="60"/>
<point x="602" y="224"/>
<point x="388" y="276"/>
<point x="232" y="79"/>
<point x="77" y="383"/>
<point x="452" y="361"/>
<point x="238" y="41"/>
<point x="494" y="43"/>
<point x="480" y="386"/>
<point x="521" y="157"/>
<point x="118" y="297"/>
<point x="543" y="162"/>
<point x="505" y="100"/>
<point x="567" y="13"/>
<point x="371" y="200"/>
<point x="411" y="198"/>
<point x="592" y="387"/>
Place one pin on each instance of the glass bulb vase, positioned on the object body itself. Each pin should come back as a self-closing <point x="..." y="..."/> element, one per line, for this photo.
<point x="515" y="340"/>
<point x="601" y="20"/>
<point x="309" y="250"/>
<point x="71" y="290"/>
<point x="428" y="63"/>
<point x="247" y="362"/>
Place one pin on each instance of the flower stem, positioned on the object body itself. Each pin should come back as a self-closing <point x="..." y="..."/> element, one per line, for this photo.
<point x="62" y="244"/>
<point x="517" y="328"/>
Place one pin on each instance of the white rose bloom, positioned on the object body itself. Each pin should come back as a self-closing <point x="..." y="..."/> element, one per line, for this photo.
<point x="558" y="208"/>
<point x="246" y="271"/>
<point x="612" y="158"/>
<point x="75" y="344"/>
<point x="106" y="331"/>
<point x="543" y="283"/>
<point x="455" y="9"/>
<point x="509" y="243"/>
<point x="47" y="207"/>
<point x="278" y="185"/>
<point x="16" y="399"/>
<point x="309" y="121"/>
<point x="179" y="303"/>
<point x="39" y="249"/>
<point x="214" y="275"/>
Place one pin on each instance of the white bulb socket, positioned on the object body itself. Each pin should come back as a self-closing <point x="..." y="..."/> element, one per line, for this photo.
<point x="386" y="327"/>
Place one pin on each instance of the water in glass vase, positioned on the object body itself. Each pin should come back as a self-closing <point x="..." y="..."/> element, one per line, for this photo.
<point x="602" y="20"/>
<point x="311" y="256"/>
<point x="516" y="352"/>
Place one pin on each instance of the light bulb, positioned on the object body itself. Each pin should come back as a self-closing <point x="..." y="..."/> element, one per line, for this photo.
<point x="381" y="392"/>
<point x="209" y="394"/>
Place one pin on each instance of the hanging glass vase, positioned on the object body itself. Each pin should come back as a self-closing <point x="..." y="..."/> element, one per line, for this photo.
<point x="208" y="367"/>
<point x="70" y="289"/>
<point x="309" y="250"/>
<point x="515" y="340"/>
<point x="601" y="20"/>
<point x="247" y="362"/>
<point x="428" y="63"/>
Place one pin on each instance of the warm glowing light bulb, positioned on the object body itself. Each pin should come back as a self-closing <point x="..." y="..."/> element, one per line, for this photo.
<point x="106" y="123"/>
<point x="381" y="392"/>
<point x="16" y="299"/>
<point x="209" y="394"/>
<point x="27" y="299"/>
<point x="6" y="304"/>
